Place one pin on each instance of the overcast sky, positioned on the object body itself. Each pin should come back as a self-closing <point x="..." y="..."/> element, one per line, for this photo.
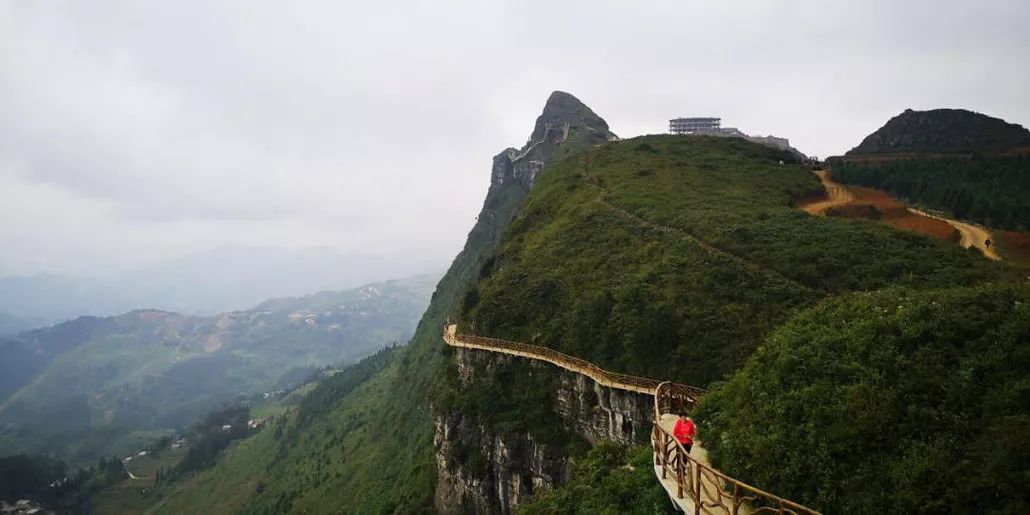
<point x="131" y="131"/>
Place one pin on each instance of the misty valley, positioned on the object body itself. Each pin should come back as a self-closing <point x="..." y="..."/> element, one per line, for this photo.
<point x="339" y="257"/>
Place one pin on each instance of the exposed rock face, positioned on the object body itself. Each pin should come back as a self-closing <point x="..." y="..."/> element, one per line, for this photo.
<point x="502" y="470"/>
<point x="479" y="470"/>
<point x="943" y="131"/>
<point x="564" y="119"/>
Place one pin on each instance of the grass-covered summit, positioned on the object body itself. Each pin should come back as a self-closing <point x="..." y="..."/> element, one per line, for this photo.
<point x="673" y="256"/>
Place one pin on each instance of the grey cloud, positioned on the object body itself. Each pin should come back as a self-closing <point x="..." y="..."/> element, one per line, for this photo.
<point x="162" y="127"/>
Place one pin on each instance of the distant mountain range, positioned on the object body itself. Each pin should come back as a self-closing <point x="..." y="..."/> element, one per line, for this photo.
<point x="945" y="131"/>
<point x="223" y="279"/>
<point x="88" y="387"/>
<point x="10" y="324"/>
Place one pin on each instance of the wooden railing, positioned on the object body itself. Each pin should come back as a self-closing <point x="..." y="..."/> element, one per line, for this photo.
<point x="598" y="374"/>
<point x="709" y="490"/>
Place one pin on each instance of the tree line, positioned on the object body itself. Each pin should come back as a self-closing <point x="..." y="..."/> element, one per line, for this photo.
<point x="991" y="190"/>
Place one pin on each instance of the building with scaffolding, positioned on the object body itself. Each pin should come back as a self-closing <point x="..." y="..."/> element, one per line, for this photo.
<point x="695" y="125"/>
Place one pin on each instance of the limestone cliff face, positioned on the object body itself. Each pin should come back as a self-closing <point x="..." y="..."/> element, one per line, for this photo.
<point x="503" y="469"/>
<point x="565" y="121"/>
<point x="481" y="470"/>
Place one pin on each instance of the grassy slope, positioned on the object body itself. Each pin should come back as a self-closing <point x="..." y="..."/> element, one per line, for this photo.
<point x="672" y="257"/>
<point x="127" y="496"/>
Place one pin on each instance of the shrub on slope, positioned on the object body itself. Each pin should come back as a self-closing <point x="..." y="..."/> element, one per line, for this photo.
<point x="611" y="479"/>
<point x="895" y="401"/>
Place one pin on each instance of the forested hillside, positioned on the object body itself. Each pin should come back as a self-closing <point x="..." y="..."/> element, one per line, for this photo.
<point x="898" y="401"/>
<point x="990" y="190"/>
<point x="98" y="386"/>
<point x="672" y="257"/>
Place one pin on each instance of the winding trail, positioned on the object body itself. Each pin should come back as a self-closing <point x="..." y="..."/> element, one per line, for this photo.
<point x="840" y="195"/>
<point x="704" y="244"/>
<point x="969" y="235"/>
<point x="837" y="195"/>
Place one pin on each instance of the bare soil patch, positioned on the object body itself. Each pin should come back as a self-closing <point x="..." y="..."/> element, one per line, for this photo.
<point x="872" y="204"/>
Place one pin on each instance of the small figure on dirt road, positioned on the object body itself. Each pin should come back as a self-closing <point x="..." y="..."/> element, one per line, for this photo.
<point x="684" y="431"/>
<point x="987" y="243"/>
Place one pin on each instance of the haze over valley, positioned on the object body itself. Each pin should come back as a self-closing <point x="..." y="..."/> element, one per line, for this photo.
<point x="514" y="257"/>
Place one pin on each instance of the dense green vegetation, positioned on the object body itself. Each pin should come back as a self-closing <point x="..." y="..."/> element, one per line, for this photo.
<point x="944" y="131"/>
<point x="897" y="401"/>
<point x="212" y="434"/>
<point x="672" y="257"/>
<point x="610" y="480"/>
<point x="994" y="191"/>
<point x="94" y="386"/>
<point x="50" y="482"/>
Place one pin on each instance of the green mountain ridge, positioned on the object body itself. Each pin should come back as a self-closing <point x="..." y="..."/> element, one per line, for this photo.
<point x="95" y="386"/>
<point x="675" y="257"/>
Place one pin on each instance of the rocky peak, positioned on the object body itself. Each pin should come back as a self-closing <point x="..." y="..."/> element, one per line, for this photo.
<point x="942" y="131"/>
<point x="565" y="121"/>
<point x="564" y="109"/>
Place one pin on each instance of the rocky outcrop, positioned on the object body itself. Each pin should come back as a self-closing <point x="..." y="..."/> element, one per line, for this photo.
<point x="564" y="119"/>
<point x="480" y="469"/>
<point x="483" y="470"/>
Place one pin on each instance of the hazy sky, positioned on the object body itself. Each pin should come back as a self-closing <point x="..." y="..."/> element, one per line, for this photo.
<point x="136" y="130"/>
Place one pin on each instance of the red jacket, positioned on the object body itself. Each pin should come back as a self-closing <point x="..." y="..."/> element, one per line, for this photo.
<point x="684" y="431"/>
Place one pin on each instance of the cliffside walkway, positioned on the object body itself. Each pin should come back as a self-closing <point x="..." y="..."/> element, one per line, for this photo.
<point x="691" y="482"/>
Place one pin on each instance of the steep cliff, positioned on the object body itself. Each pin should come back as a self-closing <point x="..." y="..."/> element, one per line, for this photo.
<point x="486" y="470"/>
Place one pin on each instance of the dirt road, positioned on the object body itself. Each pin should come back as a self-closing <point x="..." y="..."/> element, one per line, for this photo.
<point x="970" y="235"/>
<point x="838" y="195"/>
<point x="898" y="215"/>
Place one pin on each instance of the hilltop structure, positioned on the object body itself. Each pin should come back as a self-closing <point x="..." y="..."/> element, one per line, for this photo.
<point x="694" y="125"/>
<point x="709" y="126"/>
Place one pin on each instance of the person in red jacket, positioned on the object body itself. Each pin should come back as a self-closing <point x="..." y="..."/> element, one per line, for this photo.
<point x="684" y="432"/>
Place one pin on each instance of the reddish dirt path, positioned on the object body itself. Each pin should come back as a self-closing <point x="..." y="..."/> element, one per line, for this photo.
<point x="836" y="195"/>
<point x="971" y="235"/>
<point x="869" y="203"/>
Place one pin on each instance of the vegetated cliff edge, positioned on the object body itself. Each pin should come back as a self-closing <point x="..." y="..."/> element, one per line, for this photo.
<point x="663" y="256"/>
